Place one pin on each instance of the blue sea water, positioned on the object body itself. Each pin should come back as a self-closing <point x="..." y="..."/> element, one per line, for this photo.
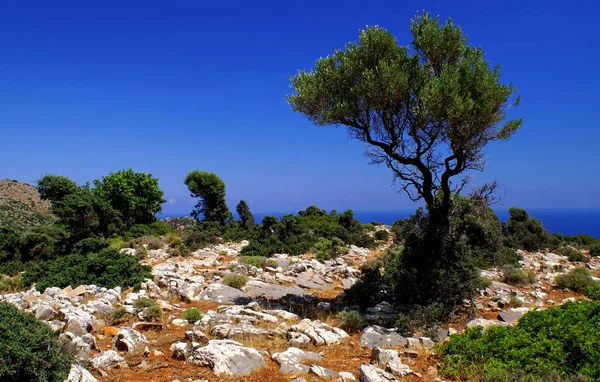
<point x="565" y="221"/>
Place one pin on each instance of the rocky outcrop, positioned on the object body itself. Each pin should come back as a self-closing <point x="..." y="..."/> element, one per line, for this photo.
<point x="225" y="357"/>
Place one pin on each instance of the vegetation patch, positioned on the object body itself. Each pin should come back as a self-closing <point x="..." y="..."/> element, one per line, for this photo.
<point x="235" y="280"/>
<point x="578" y="280"/>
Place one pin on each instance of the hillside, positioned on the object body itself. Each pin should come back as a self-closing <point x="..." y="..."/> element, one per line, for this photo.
<point x="21" y="206"/>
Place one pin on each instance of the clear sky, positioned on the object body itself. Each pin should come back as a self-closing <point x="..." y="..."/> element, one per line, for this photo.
<point x="90" y="87"/>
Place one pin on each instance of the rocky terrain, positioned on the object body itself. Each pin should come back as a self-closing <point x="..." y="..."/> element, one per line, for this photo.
<point x="21" y="206"/>
<point x="279" y="326"/>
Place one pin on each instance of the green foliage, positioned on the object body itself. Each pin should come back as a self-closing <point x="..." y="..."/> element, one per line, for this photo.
<point x="192" y="315"/>
<point x="382" y="235"/>
<point x="515" y="302"/>
<point x="329" y="249"/>
<point x="174" y="239"/>
<point x="135" y="195"/>
<point x="210" y="189"/>
<point x="484" y="282"/>
<point x="119" y="314"/>
<point x="90" y="245"/>
<point x="351" y="321"/>
<point x="108" y="268"/>
<point x="144" y="302"/>
<point x="581" y="240"/>
<point x="157" y="228"/>
<point x="514" y="276"/>
<point x="369" y="227"/>
<point x="56" y="187"/>
<point x="10" y="284"/>
<point x="199" y="237"/>
<point x="246" y="217"/>
<point x="421" y="318"/>
<point x="525" y="232"/>
<point x="559" y="340"/>
<point x="578" y="280"/>
<point x="235" y="280"/>
<point x="152" y="313"/>
<point x="593" y="292"/>
<point x="29" y="349"/>
<point x="398" y="229"/>
<point x="150" y="242"/>
<point x="595" y="250"/>
<point x="258" y="261"/>
<point x="43" y="243"/>
<point x="9" y="244"/>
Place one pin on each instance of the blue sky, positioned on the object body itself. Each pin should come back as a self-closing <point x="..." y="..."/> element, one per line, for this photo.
<point x="91" y="87"/>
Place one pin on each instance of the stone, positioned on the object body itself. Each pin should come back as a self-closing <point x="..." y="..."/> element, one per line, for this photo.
<point x="371" y="373"/>
<point x="108" y="359"/>
<point x="311" y="280"/>
<point x="179" y="350"/>
<point x="398" y="369"/>
<point x="75" y="328"/>
<point x="346" y="377"/>
<point x="226" y="357"/>
<point x="484" y="323"/>
<point x="130" y="340"/>
<point x="381" y="337"/>
<point x="45" y="312"/>
<point x="224" y="294"/>
<point x="381" y="356"/>
<point x="290" y="361"/>
<point x="512" y="315"/>
<point x="323" y="372"/>
<point x="298" y="340"/>
<point x="229" y="331"/>
<point x="272" y="291"/>
<point x="319" y="332"/>
<point x="79" y="374"/>
<point x="79" y="291"/>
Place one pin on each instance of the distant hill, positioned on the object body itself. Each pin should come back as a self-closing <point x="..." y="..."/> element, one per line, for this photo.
<point x="21" y="206"/>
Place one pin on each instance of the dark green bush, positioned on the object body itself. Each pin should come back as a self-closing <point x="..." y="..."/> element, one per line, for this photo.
<point x="561" y="340"/>
<point x="524" y="232"/>
<point x="329" y="249"/>
<point x="595" y="250"/>
<point x="399" y="230"/>
<point x="382" y="235"/>
<point x="143" y="302"/>
<point x="258" y="261"/>
<point x="43" y="243"/>
<point x="198" y="237"/>
<point x="152" y="313"/>
<point x="578" y="280"/>
<point x="9" y="244"/>
<point x="421" y="318"/>
<point x="352" y="321"/>
<point x="581" y="240"/>
<point x="593" y="292"/>
<point x="192" y="315"/>
<point x="108" y="268"/>
<point x="119" y="314"/>
<point x="90" y="245"/>
<point x="573" y="254"/>
<point x="29" y="349"/>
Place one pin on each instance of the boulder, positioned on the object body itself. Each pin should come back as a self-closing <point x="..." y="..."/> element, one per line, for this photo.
<point x="179" y="350"/>
<point x="79" y="374"/>
<point x="221" y="293"/>
<point x="381" y="337"/>
<point x="130" y="340"/>
<point x="484" y="323"/>
<point x="299" y="340"/>
<point x="271" y="291"/>
<point x="371" y="373"/>
<point x="319" y="332"/>
<point x="226" y="357"/>
<point x="512" y="315"/>
<point x="45" y="312"/>
<point x="323" y="372"/>
<point x="381" y="356"/>
<point x="290" y="361"/>
<point x="108" y="360"/>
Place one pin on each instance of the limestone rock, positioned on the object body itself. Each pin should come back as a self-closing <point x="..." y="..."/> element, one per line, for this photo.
<point x="371" y="373"/>
<point x="319" y="332"/>
<point x="224" y="294"/>
<point x="381" y="337"/>
<point x="130" y="340"/>
<point x="79" y="374"/>
<point x="108" y="360"/>
<point x="225" y="357"/>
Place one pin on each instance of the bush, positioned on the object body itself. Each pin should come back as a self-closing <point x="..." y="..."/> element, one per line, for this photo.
<point x="235" y="280"/>
<point x="29" y="349"/>
<point x="573" y="254"/>
<point x="382" y="235"/>
<point x="560" y="339"/>
<point x="192" y="315"/>
<point x="398" y="229"/>
<point x="258" y="261"/>
<point x="514" y="276"/>
<point x="119" y="313"/>
<point x="352" y="321"/>
<point x="198" y="238"/>
<point x="421" y="318"/>
<point x="369" y="227"/>
<point x="43" y="243"/>
<point x="174" y="239"/>
<point x="152" y="313"/>
<point x="329" y="249"/>
<point x="595" y="250"/>
<point x="578" y="280"/>
<point x="143" y="302"/>
<point x="515" y="302"/>
<point x="149" y="242"/>
<point x="593" y="292"/>
<point x="524" y="232"/>
<point x="484" y="283"/>
<point x="108" y="268"/>
<point x="90" y="245"/>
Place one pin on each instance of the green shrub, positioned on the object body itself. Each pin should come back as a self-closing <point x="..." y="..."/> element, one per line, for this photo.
<point x="152" y="313"/>
<point x="144" y="302"/>
<point x="108" y="268"/>
<point x="398" y="229"/>
<point x="198" y="238"/>
<point x="90" y="245"/>
<point x="514" y="276"/>
<point x="422" y="318"/>
<point x="174" y="239"/>
<point x="515" y="302"/>
<point x="255" y="261"/>
<point x="329" y="249"/>
<point x="119" y="243"/>
<point x="29" y="349"/>
<point x="43" y="243"/>
<point x="119" y="314"/>
<point x="578" y="280"/>
<point x="524" y="232"/>
<point x="484" y="283"/>
<point x="593" y="292"/>
<point x="10" y="284"/>
<point x="595" y="250"/>
<point x="531" y="277"/>
<point x="192" y="315"/>
<point x="560" y="339"/>
<point x="573" y="254"/>
<point x="382" y="235"/>
<point x="369" y="227"/>
<point x="352" y="321"/>
<point x="235" y="280"/>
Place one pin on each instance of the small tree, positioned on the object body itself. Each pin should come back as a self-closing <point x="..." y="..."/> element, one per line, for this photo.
<point x="135" y="195"/>
<point x="245" y="215"/>
<point x="210" y="189"/>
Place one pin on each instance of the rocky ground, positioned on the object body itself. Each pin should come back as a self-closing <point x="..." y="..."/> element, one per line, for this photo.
<point x="278" y="327"/>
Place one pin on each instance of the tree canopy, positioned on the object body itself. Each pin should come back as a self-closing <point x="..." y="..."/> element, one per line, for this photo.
<point x="426" y="110"/>
<point x="210" y="190"/>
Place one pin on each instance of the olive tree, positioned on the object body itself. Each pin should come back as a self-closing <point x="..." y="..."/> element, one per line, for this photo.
<point x="426" y="111"/>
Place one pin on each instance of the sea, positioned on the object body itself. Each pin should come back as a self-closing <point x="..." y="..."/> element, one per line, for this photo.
<point x="565" y="221"/>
